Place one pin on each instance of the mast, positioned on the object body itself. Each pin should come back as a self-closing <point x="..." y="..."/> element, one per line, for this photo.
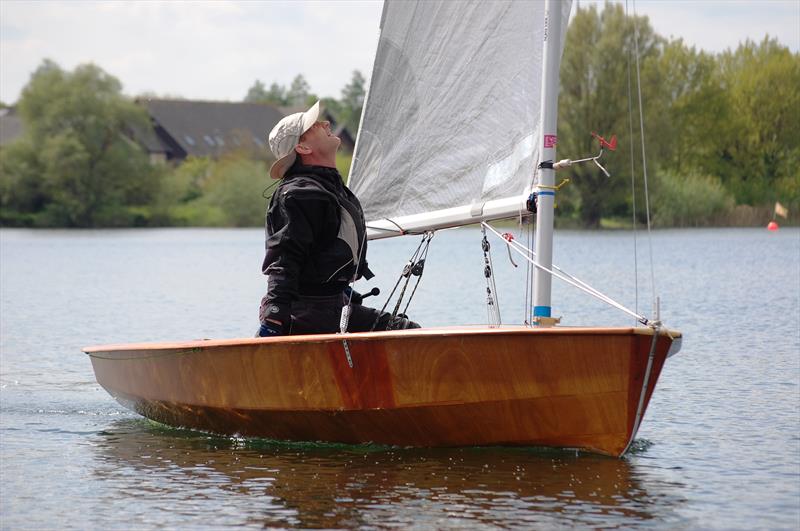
<point x="546" y="183"/>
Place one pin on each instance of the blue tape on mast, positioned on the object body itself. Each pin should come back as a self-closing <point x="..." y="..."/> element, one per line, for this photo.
<point x="547" y="192"/>
<point x="541" y="311"/>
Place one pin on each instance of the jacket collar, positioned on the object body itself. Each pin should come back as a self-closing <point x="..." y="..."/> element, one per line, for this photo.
<point x="321" y="172"/>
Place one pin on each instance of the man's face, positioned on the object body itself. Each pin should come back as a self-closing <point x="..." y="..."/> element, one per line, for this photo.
<point x="320" y="140"/>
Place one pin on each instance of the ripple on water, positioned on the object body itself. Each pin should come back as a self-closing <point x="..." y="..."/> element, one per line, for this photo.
<point x="719" y="446"/>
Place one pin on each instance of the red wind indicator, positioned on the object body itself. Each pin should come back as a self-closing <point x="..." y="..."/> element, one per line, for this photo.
<point x="612" y="145"/>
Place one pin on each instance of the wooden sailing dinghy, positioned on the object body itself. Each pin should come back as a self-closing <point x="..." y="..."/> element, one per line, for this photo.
<point x="451" y="135"/>
<point x="583" y="388"/>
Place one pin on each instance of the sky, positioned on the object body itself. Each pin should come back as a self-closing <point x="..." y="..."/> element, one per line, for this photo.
<point x="216" y="50"/>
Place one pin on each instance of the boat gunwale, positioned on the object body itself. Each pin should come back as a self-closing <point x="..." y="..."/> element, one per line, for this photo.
<point x="447" y="331"/>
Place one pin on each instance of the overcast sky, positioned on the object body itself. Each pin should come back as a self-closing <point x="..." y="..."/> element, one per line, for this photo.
<point x="215" y="50"/>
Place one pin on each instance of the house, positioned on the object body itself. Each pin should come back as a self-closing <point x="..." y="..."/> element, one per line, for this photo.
<point x="11" y="126"/>
<point x="183" y="128"/>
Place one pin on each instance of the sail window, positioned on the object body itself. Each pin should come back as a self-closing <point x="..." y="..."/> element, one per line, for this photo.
<point x="504" y="168"/>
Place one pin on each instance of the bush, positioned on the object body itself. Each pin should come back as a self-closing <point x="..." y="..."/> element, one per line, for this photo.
<point x="343" y="163"/>
<point x="75" y="165"/>
<point x="689" y="201"/>
<point x="233" y="193"/>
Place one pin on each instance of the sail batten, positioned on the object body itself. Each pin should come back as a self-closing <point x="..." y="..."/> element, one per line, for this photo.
<point x="452" y="113"/>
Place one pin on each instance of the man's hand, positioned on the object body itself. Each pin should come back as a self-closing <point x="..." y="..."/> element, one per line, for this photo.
<point x="270" y="328"/>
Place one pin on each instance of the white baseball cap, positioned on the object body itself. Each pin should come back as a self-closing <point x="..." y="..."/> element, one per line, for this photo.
<point x="285" y="136"/>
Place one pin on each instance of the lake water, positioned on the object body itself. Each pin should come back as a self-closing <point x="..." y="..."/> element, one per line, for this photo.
<point x="719" y="447"/>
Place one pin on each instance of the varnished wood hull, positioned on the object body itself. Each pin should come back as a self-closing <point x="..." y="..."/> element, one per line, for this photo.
<point x="562" y="387"/>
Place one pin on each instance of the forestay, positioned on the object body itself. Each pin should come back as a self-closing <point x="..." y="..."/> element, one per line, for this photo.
<point x="452" y="113"/>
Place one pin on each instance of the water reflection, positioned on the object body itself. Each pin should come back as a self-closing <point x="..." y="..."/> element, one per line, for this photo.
<point x="263" y="484"/>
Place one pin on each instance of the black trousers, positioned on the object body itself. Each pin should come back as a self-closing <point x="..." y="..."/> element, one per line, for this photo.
<point x="321" y="315"/>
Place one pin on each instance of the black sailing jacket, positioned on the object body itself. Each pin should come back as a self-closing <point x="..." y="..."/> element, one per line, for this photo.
<point x="315" y="235"/>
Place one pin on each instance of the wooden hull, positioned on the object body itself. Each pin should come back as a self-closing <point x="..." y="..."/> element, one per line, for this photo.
<point x="564" y="387"/>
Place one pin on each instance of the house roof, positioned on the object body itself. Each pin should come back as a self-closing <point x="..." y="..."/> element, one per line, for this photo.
<point x="326" y="114"/>
<point x="11" y="126"/>
<point x="208" y="128"/>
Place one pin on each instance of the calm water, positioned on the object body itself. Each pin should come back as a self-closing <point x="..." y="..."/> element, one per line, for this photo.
<point x="719" y="447"/>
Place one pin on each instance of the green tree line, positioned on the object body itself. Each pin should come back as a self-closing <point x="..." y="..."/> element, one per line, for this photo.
<point x="722" y="137"/>
<point x="722" y="131"/>
<point x="78" y="163"/>
<point x="347" y="109"/>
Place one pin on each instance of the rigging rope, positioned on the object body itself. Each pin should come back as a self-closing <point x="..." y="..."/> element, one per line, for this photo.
<point x="633" y="184"/>
<point x="492" y="302"/>
<point x="344" y="319"/>
<point x="414" y="267"/>
<point x="417" y="270"/>
<point x="527" y="312"/>
<point x="644" y="157"/>
<point x="559" y="273"/>
<point x="400" y="230"/>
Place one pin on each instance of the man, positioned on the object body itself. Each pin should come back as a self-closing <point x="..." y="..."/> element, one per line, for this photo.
<point x="316" y="237"/>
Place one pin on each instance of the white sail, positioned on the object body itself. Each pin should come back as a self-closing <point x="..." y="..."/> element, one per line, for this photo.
<point x="450" y="127"/>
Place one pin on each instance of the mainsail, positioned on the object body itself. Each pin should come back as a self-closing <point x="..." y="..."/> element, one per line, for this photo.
<point x="450" y="127"/>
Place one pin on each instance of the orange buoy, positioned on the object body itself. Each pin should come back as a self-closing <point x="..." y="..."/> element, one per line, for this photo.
<point x="772" y="226"/>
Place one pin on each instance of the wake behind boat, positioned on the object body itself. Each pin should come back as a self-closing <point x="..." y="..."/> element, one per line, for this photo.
<point x="459" y="127"/>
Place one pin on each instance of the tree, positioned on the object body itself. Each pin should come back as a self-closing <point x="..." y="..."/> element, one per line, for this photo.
<point x="257" y="93"/>
<point x="693" y="107"/>
<point x="760" y="153"/>
<point x="332" y="105"/>
<point x="594" y="98"/>
<point x="234" y="191"/>
<point x="77" y="165"/>
<point x="276" y="95"/>
<point x="353" y="101"/>
<point x="298" y="92"/>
